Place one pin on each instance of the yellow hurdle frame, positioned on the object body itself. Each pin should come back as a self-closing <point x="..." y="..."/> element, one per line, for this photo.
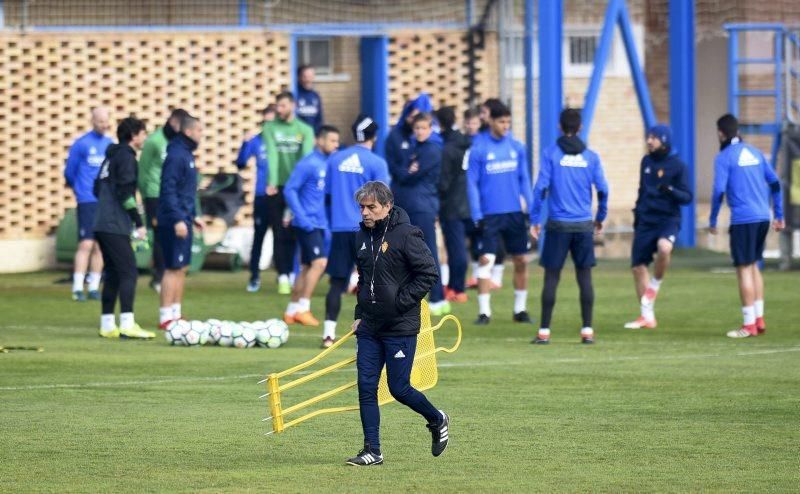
<point x="424" y="375"/>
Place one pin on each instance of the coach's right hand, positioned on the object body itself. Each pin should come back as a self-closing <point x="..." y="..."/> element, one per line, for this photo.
<point x="181" y="230"/>
<point x="535" y="231"/>
<point x="354" y="327"/>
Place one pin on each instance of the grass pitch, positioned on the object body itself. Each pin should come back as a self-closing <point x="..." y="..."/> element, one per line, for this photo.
<point x="680" y="408"/>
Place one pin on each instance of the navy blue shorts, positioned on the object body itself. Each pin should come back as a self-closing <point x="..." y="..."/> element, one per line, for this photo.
<point x="512" y="227"/>
<point x="342" y="258"/>
<point x="557" y="244"/>
<point x="747" y="242"/>
<point x="177" y="251"/>
<point x="312" y="245"/>
<point x="646" y="236"/>
<point x="86" y="213"/>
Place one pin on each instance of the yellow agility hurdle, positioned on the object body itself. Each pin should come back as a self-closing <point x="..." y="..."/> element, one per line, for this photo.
<point x="424" y="375"/>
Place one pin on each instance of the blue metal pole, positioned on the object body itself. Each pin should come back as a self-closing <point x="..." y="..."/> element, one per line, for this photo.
<point x="682" y="100"/>
<point x="550" y="78"/>
<point x="600" y="59"/>
<point x="733" y="71"/>
<point x="639" y="79"/>
<point x="243" y="13"/>
<point x="293" y="63"/>
<point x="529" y="31"/>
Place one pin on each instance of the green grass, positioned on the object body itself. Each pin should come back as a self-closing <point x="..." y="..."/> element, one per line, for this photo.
<point x="681" y="408"/>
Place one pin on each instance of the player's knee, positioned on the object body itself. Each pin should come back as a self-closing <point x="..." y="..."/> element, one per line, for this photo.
<point x="320" y="263"/>
<point x="664" y="247"/>
<point x="400" y="391"/>
<point x="485" y="266"/>
<point x="520" y="262"/>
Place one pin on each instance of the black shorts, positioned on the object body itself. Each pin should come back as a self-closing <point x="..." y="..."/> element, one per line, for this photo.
<point x="747" y="242"/>
<point x="177" y="251"/>
<point x="342" y="258"/>
<point x="646" y="236"/>
<point x="312" y="245"/>
<point x="513" y="227"/>
<point x="86" y="213"/>
<point x="558" y="244"/>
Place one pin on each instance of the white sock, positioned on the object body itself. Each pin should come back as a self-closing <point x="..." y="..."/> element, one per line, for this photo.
<point x="77" y="281"/>
<point x="107" y="322"/>
<point x="94" y="281"/>
<point x="520" y="301"/>
<point x="445" y="270"/>
<point x="291" y="309"/>
<point x="485" y="304"/>
<point x="759" y="307"/>
<point x="749" y="315"/>
<point x="164" y="314"/>
<point x="475" y="265"/>
<point x="176" y="311"/>
<point x="303" y="305"/>
<point x="329" y="329"/>
<point x="544" y="333"/>
<point x="283" y="279"/>
<point x="497" y="274"/>
<point x="655" y="284"/>
<point x="587" y="332"/>
<point x="292" y="278"/>
<point x="126" y="320"/>
<point x="648" y="313"/>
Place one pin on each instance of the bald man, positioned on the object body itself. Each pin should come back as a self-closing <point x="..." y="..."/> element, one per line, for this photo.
<point x="83" y="163"/>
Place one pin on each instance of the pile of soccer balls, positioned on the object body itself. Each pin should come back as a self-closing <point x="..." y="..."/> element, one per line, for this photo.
<point x="271" y="333"/>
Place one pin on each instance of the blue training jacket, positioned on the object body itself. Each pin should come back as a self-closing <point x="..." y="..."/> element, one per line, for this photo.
<point x="497" y="176"/>
<point x="255" y="147"/>
<point x="85" y="157"/>
<point x="348" y="170"/>
<point x="309" y="107"/>
<point x="566" y="177"/>
<point x="401" y="141"/>
<point x="305" y="192"/>
<point x="742" y="173"/>
<point x="178" y="182"/>
<point x="418" y="192"/>
<point x="663" y="188"/>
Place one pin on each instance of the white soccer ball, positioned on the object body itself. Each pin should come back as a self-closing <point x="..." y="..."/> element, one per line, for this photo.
<point x="244" y="337"/>
<point x="175" y="331"/>
<point x="195" y="334"/>
<point x="274" y="334"/>
<point x="226" y="333"/>
<point x="214" y="326"/>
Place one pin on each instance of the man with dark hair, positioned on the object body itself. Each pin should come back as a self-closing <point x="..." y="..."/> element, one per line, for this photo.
<point x="454" y="211"/>
<point x="309" y="104"/>
<point x="568" y="172"/>
<point x="498" y="176"/>
<point x="83" y="163"/>
<point x="254" y="147"/>
<point x="288" y="140"/>
<point x="348" y="170"/>
<point x="117" y="215"/>
<point x="663" y="189"/>
<point x="743" y="175"/>
<point x="415" y="188"/>
<point x="150" y="162"/>
<point x="396" y="270"/>
<point x="176" y="216"/>
<point x="305" y="194"/>
<point x="471" y="123"/>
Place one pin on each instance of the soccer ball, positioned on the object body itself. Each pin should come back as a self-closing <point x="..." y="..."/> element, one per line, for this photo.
<point x="214" y="326"/>
<point x="274" y="334"/>
<point x="175" y="331"/>
<point x="196" y="334"/>
<point x="244" y="336"/>
<point x="226" y="333"/>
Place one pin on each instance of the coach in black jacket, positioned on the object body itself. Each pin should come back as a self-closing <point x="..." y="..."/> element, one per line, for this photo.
<point x="396" y="270"/>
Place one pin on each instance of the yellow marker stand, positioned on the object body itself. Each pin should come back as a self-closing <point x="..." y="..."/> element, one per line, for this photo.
<point x="424" y="375"/>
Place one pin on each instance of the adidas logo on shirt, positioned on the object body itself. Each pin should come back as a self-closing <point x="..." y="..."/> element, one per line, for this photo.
<point x="363" y="246"/>
<point x="747" y="158"/>
<point x="399" y="354"/>
<point x="351" y="165"/>
<point x="574" y="161"/>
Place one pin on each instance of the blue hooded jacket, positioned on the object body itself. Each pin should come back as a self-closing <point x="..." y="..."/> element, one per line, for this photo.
<point x="400" y="140"/>
<point x="178" y="182"/>
<point x="309" y="107"/>
<point x="418" y="192"/>
<point x="305" y="192"/>
<point x="255" y="147"/>
<point x="85" y="157"/>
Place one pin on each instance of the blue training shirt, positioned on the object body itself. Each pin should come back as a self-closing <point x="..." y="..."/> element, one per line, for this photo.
<point x="348" y="170"/>
<point x="255" y="147"/>
<point x="309" y="107"/>
<point x="85" y="157"/>
<point x="566" y="180"/>
<point x="305" y="192"/>
<point x="497" y="176"/>
<point x="743" y="175"/>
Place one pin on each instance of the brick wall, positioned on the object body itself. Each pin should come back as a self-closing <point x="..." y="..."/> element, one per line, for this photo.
<point x="342" y="98"/>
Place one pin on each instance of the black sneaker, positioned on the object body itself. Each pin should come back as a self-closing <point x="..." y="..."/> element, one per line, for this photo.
<point x="482" y="320"/>
<point x="523" y="317"/>
<point x="439" y="435"/>
<point x="540" y="341"/>
<point x="366" y="458"/>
